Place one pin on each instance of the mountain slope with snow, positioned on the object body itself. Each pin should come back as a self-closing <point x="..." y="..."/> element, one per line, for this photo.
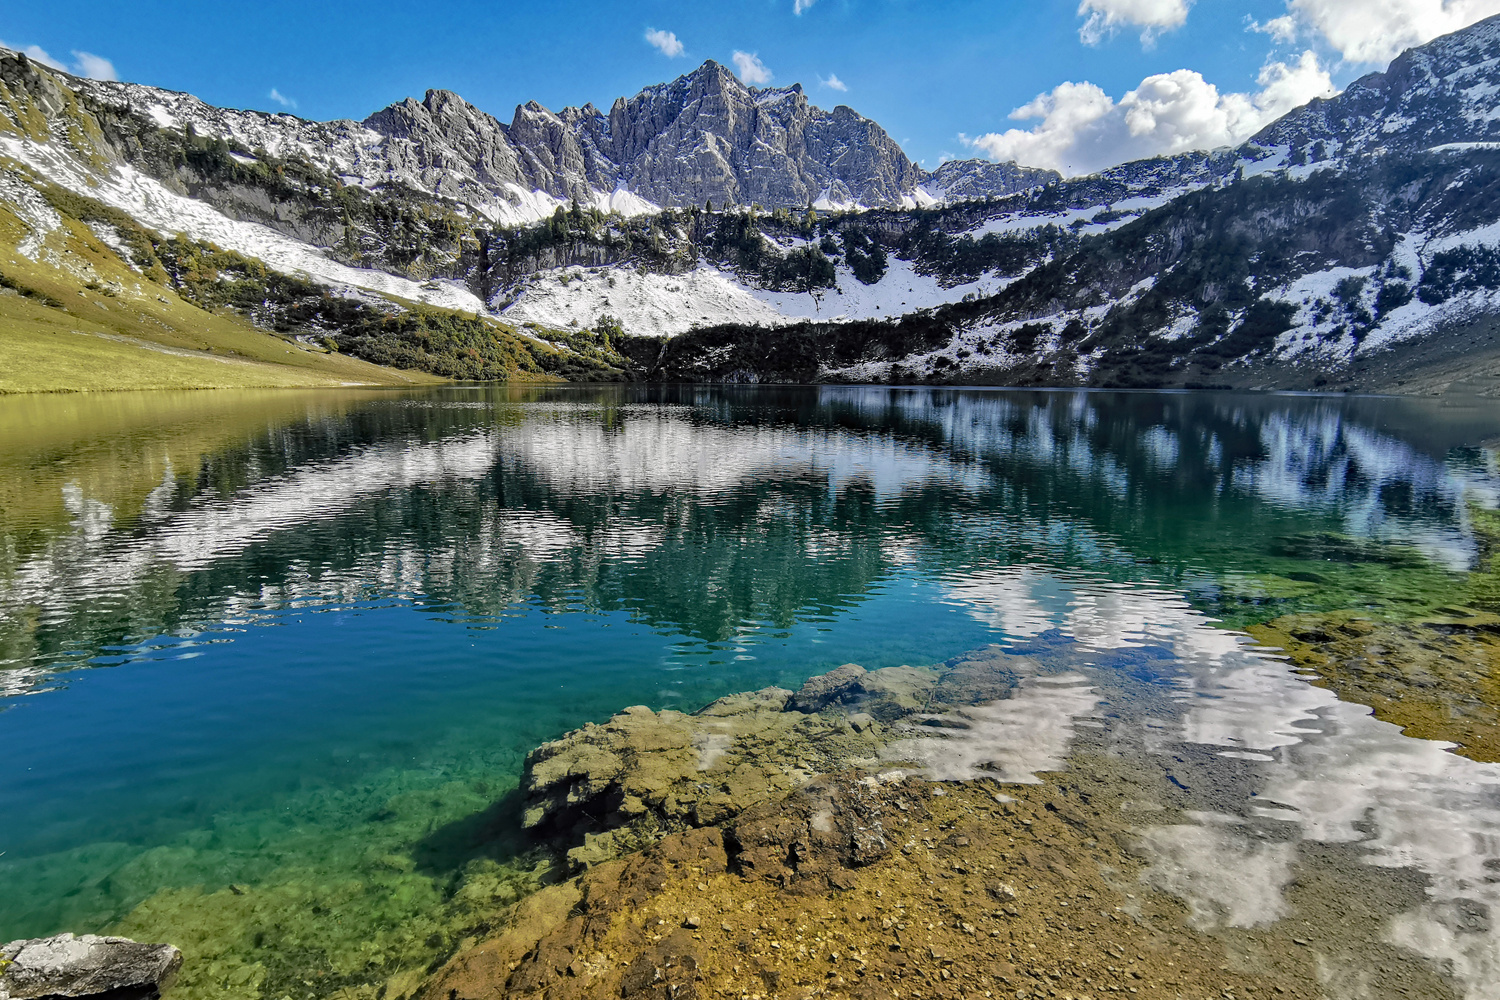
<point x="705" y="137"/>
<point x="1357" y="234"/>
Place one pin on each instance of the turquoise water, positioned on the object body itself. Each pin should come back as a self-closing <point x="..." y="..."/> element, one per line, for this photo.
<point x="288" y="652"/>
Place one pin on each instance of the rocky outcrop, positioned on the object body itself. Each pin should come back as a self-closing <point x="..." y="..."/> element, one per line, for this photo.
<point x="971" y="180"/>
<point x="705" y="136"/>
<point x="105" y="967"/>
<point x="1435" y="95"/>
<point x="604" y="790"/>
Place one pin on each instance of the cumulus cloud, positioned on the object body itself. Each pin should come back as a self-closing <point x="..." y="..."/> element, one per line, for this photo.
<point x="751" y="70"/>
<point x="1281" y="29"/>
<point x="834" y="83"/>
<point x="94" y="67"/>
<point x="665" y="42"/>
<point x="1153" y="17"/>
<point x="1375" y="32"/>
<point x="84" y="63"/>
<point x="281" y="99"/>
<point x="1082" y="129"/>
<point x="798" y="6"/>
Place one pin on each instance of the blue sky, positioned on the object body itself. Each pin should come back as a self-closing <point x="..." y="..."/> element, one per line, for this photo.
<point x="943" y="76"/>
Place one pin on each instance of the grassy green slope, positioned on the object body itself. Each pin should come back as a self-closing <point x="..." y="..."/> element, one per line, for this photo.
<point x="79" y="318"/>
<point x="98" y="302"/>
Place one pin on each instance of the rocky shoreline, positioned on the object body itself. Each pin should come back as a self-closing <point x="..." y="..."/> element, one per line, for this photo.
<point x="788" y="844"/>
<point x="881" y="834"/>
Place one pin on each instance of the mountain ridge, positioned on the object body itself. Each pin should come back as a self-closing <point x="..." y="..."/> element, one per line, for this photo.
<point x="1357" y="225"/>
<point x="703" y="137"/>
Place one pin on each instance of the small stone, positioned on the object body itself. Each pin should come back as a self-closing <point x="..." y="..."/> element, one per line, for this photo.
<point x="725" y="927"/>
<point x="1002" y="891"/>
<point x="692" y="922"/>
<point x="861" y="722"/>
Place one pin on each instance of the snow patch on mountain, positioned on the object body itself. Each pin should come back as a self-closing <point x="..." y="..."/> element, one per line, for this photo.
<point x="151" y="204"/>
<point x="648" y="305"/>
<point x="1087" y="220"/>
<point x="900" y="291"/>
<point x="33" y="211"/>
<point x="666" y="305"/>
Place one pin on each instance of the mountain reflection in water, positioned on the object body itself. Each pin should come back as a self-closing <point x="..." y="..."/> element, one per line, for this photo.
<point x="692" y="542"/>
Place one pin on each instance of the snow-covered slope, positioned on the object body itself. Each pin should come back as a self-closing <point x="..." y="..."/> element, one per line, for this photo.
<point x="152" y="204"/>
<point x="652" y="305"/>
<point x="1442" y="93"/>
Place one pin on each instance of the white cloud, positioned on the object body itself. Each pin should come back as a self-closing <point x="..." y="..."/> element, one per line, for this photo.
<point x="1083" y="130"/>
<point x="666" y="42"/>
<point x="85" y="63"/>
<point x="1376" y="31"/>
<point x="834" y="83"/>
<point x="798" y="6"/>
<point x="281" y="99"/>
<point x="751" y="69"/>
<point x="94" y="67"/>
<point x="1281" y="29"/>
<point x="1152" y="16"/>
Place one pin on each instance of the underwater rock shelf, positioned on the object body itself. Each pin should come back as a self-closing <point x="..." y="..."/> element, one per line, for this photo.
<point x="781" y="844"/>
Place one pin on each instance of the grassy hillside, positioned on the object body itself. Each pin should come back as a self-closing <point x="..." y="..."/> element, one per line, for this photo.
<point x="89" y="300"/>
<point x="75" y="316"/>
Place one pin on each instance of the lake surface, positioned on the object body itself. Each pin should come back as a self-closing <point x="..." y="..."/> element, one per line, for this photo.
<point x="268" y="661"/>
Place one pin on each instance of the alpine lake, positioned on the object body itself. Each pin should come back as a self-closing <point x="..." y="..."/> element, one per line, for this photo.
<point x="271" y="662"/>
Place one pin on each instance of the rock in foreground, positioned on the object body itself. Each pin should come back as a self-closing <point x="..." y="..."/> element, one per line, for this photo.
<point x="642" y="775"/>
<point x="88" y="966"/>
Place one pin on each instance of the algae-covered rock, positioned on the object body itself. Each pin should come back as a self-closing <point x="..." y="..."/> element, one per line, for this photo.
<point x="87" y="966"/>
<point x="612" y="788"/>
<point x="643" y="774"/>
<point x="1437" y="676"/>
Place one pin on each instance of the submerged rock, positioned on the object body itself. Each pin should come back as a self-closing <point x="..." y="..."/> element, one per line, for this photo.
<point x="622" y="785"/>
<point x="1437" y="676"/>
<point x="87" y="966"/>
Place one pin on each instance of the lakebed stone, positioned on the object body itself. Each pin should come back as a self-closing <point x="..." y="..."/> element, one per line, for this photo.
<point x="616" y="787"/>
<point x="88" y="966"/>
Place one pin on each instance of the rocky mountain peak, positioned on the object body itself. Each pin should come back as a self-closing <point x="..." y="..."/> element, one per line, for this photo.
<point x="1438" y="94"/>
<point x="445" y="101"/>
